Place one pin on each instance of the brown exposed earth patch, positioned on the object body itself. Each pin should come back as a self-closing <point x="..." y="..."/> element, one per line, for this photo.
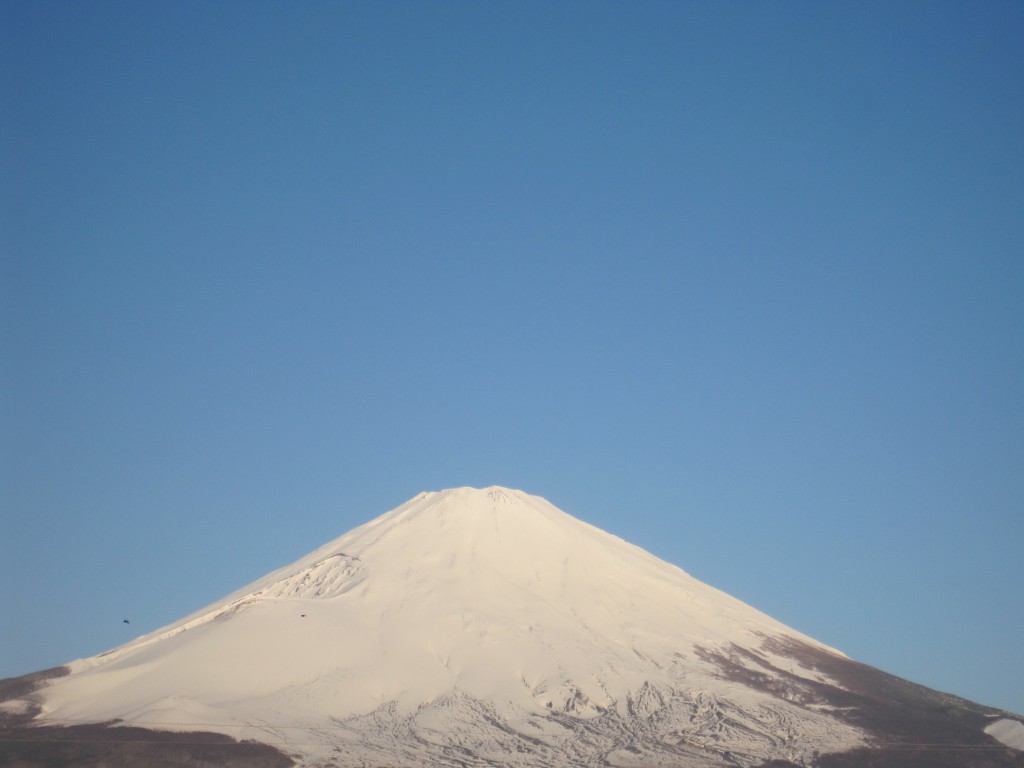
<point x="913" y="726"/>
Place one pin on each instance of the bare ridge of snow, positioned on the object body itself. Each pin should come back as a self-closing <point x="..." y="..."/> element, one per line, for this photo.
<point x="487" y="616"/>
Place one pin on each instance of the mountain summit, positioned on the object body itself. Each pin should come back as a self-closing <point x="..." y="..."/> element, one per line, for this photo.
<point x="488" y="628"/>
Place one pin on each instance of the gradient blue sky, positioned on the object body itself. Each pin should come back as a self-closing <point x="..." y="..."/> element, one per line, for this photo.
<point x="742" y="283"/>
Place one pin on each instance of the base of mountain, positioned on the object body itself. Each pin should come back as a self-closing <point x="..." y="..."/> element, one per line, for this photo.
<point x="23" y="745"/>
<point x="912" y="726"/>
<point x="101" y="747"/>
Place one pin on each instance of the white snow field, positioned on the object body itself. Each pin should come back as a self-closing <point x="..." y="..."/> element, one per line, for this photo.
<point x="465" y="627"/>
<point x="1009" y="732"/>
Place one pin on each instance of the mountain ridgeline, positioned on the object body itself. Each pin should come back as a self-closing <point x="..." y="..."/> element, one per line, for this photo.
<point x="487" y="628"/>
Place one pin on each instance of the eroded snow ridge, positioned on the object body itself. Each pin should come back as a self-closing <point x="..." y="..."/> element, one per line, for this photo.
<point x="691" y="728"/>
<point x="333" y="576"/>
<point x="471" y="627"/>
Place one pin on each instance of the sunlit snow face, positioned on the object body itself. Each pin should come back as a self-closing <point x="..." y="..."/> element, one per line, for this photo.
<point x="455" y="603"/>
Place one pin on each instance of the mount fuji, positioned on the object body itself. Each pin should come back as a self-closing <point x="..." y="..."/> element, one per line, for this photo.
<point x="486" y="628"/>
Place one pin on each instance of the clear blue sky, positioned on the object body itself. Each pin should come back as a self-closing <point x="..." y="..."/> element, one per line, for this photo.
<point x="742" y="283"/>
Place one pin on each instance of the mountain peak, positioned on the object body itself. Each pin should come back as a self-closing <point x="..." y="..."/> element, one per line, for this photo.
<point x="493" y="492"/>
<point x="430" y="597"/>
<point x="480" y="498"/>
<point x="482" y="609"/>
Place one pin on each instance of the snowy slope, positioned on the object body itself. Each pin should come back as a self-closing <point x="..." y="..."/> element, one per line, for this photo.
<point x="468" y="627"/>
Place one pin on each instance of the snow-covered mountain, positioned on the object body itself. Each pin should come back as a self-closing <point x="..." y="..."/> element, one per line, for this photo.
<point x="488" y="628"/>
